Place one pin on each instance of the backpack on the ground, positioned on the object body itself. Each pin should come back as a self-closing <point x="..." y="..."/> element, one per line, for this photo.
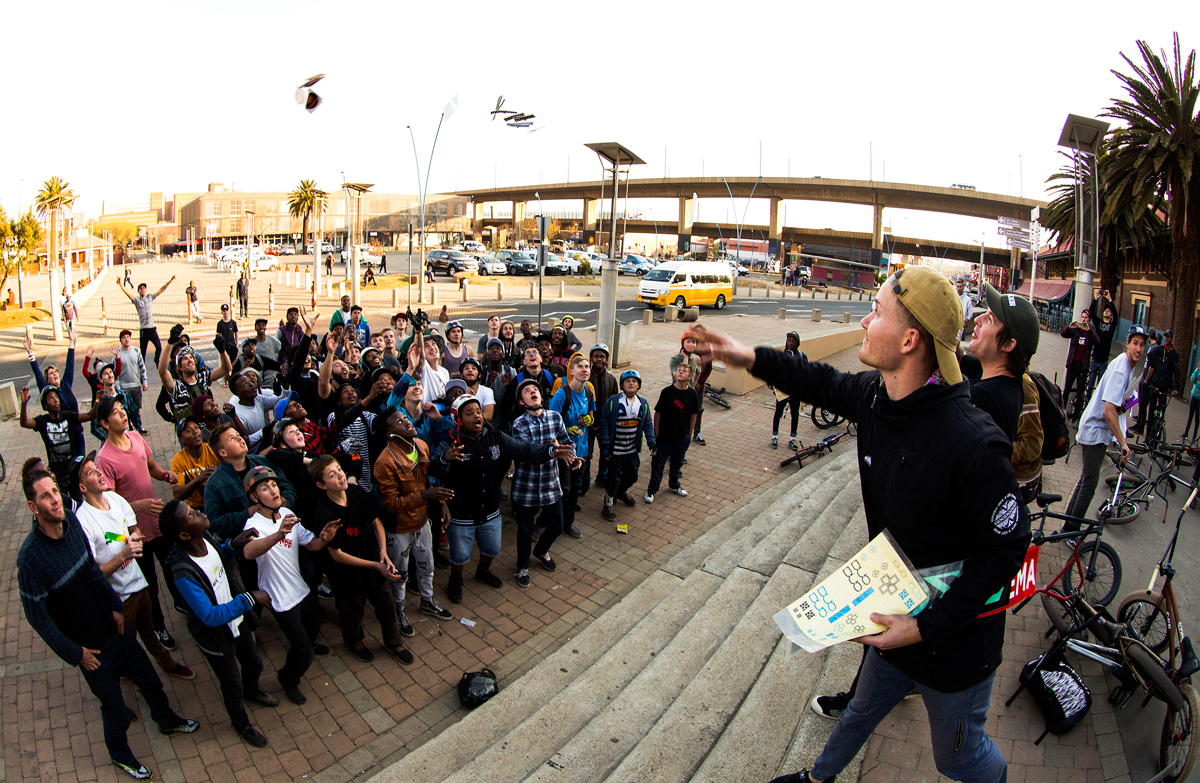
<point x="1056" y="435"/>
<point x="1059" y="693"/>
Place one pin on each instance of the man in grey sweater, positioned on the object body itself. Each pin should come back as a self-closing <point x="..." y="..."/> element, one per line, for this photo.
<point x="133" y="376"/>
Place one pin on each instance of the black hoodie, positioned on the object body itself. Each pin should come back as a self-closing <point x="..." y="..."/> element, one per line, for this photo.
<point x="476" y="478"/>
<point x="935" y="473"/>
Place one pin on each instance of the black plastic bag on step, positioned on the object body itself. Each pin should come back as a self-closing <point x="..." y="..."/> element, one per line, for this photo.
<point x="477" y="687"/>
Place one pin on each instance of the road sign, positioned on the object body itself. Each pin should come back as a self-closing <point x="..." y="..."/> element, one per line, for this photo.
<point x="1013" y="222"/>
<point x="1024" y="244"/>
<point x="1012" y="233"/>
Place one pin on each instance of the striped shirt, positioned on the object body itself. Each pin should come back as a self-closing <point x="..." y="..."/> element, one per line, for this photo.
<point x="629" y="415"/>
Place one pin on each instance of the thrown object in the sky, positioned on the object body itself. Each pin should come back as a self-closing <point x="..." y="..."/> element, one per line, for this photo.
<point x="305" y="95"/>
<point x="512" y="119"/>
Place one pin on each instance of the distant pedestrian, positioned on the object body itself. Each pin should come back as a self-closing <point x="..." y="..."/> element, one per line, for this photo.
<point x="383" y="264"/>
<point x="243" y="295"/>
<point x="193" y="303"/>
<point x="144" y="303"/>
<point x="329" y="264"/>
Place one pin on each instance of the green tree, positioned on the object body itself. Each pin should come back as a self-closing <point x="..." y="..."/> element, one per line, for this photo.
<point x="122" y="232"/>
<point x="28" y="234"/>
<point x="1153" y="157"/>
<point x="55" y="196"/>
<point x="1124" y="231"/>
<point x="304" y="202"/>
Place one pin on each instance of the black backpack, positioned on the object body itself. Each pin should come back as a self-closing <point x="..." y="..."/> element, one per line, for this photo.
<point x="1059" y="693"/>
<point x="1056" y="435"/>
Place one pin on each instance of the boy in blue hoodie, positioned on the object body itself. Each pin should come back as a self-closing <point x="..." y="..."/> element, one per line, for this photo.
<point x="623" y="419"/>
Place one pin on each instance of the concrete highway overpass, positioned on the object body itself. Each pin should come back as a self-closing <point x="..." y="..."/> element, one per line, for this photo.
<point x="879" y="195"/>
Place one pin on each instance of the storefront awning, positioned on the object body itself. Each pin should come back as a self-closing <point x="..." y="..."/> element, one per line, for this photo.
<point x="1048" y="290"/>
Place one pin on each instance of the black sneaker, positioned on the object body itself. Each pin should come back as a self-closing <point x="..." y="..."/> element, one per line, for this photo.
<point x="523" y="577"/>
<point x="324" y="592"/>
<point x="362" y="653"/>
<point x="165" y="639"/>
<point x="799" y="777"/>
<point x="489" y="579"/>
<point x="136" y="770"/>
<point x="263" y="698"/>
<point x="401" y="654"/>
<point x="627" y="499"/>
<point x="293" y="693"/>
<point x="547" y="562"/>
<point x="406" y="628"/>
<point x="609" y="513"/>
<point x="254" y="737"/>
<point x="320" y="649"/>
<point x="187" y="726"/>
<point x="700" y="439"/>
<point x="831" y="707"/>
<point x="434" y="609"/>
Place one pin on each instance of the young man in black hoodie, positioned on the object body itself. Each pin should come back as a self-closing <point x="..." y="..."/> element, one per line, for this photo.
<point x="946" y="499"/>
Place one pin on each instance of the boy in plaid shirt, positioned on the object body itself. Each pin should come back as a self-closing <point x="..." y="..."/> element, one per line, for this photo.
<point x="537" y="487"/>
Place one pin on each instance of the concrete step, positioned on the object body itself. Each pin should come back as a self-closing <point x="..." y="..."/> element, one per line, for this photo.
<point x="689" y="677"/>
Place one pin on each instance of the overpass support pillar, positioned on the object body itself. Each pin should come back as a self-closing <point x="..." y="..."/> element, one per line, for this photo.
<point x="518" y="216"/>
<point x="591" y="214"/>
<point x="877" y="228"/>
<point x="776" y="220"/>
<point x="683" y="241"/>
<point x="477" y="215"/>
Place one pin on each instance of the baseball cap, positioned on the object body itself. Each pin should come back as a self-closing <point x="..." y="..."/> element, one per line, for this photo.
<point x="184" y="422"/>
<point x="928" y="295"/>
<point x="257" y="475"/>
<point x="1137" y="330"/>
<point x="281" y="406"/>
<point x="495" y="341"/>
<point x="457" y="384"/>
<point x="125" y="332"/>
<point x="260" y="320"/>
<point x="1018" y="316"/>
<point x="224" y="307"/>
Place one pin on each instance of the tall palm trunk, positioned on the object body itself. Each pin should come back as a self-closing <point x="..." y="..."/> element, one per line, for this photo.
<point x="1185" y="265"/>
<point x="52" y="252"/>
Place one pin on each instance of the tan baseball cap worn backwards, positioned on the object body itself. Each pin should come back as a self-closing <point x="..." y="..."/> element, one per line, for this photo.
<point x="930" y="297"/>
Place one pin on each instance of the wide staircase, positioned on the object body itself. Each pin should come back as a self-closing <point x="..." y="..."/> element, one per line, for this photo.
<point x="687" y="677"/>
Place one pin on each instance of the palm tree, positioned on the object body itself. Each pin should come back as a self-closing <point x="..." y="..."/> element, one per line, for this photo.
<point x="54" y="196"/>
<point x="1122" y="234"/>
<point x="304" y="202"/>
<point x="1153" y="157"/>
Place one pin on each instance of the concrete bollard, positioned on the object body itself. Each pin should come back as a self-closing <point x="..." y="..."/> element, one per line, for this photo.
<point x="847" y="318"/>
<point x="466" y="289"/>
<point x="860" y="294"/>
<point x="287" y="276"/>
<point x="328" y="288"/>
<point x="647" y="317"/>
<point x="299" y="279"/>
<point x="816" y="315"/>
<point x="782" y="314"/>
<point x="689" y="314"/>
<point x="768" y="290"/>
<point x="839" y="294"/>
<point x="671" y="314"/>
<point x="307" y="279"/>
<point x="341" y="288"/>
<point x="278" y="275"/>
<point x="396" y="298"/>
<point x="499" y="292"/>
<point x="433" y="295"/>
<point x="532" y="293"/>
<point x="826" y="293"/>
<point x="561" y="289"/>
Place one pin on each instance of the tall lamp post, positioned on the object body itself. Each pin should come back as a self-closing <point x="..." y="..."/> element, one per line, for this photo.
<point x="735" y="214"/>
<point x="615" y="155"/>
<point x="1084" y="136"/>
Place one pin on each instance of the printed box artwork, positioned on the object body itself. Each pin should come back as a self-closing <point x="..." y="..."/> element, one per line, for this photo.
<point x="879" y="579"/>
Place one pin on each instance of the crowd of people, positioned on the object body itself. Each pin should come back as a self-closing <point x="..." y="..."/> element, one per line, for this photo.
<point x="327" y="460"/>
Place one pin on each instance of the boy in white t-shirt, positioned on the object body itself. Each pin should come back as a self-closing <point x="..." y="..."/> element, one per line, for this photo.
<point x="110" y="525"/>
<point x="275" y="546"/>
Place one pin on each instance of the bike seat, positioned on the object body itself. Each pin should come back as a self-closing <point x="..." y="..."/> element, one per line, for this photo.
<point x="1044" y="499"/>
<point x="1139" y="448"/>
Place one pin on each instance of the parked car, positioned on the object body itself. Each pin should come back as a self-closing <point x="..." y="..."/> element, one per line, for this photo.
<point x="741" y="269"/>
<point x="472" y="246"/>
<point x="326" y="248"/>
<point x="489" y="264"/>
<point x="451" y="262"/>
<point x="262" y="263"/>
<point x="635" y="265"/>
<point x="287" y="250"/>
<point x="557" y="266"/>
<point x="520" y="262"/>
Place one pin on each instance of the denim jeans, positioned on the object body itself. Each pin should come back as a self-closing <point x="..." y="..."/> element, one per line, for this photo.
<point x="1193" y="413"/>
<point x="123" y="657"/>
<point x="462" y="537"/>
<point x="1085" y="488"/>
<point x="552" y="528"/>
<point x="675" y="452"/>
<point x="962" y="749"/>
<point x="300" y="625"/>
<point x="419" y="545"/>
<point x="1095" y="373"/>
<point x="235" y="683"/>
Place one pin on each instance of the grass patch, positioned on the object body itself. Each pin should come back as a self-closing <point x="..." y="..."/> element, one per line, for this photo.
<point x="15" y="316"/>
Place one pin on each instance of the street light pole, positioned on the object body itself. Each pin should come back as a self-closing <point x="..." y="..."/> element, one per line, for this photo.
<point x="735" y="212"/>
<point x="606" y="321"/>
<point x="423" y="190"/>
<point x="541" y="254"/>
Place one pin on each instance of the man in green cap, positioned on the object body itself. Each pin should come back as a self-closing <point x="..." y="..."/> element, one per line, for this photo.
<point x="1006" y="338"/>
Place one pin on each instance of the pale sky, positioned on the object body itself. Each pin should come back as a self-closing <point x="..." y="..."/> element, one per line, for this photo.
<point x="125" y="98"/>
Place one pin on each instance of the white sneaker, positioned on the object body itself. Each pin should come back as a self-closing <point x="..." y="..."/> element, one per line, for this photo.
<point x="680" y="491"/>
<point x="649" y="498"/>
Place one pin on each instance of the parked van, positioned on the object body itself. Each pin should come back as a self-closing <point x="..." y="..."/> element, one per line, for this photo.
<point x="687" y="283"/>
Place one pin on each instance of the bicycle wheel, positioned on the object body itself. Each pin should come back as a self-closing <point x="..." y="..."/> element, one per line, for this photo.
<point x="1057" y="612"/>
<point x="1102" y="587"/>
<point x="1144" y="610"/>
<point x="824" y="419"/>
<point x="1124" y="512"/>
<point x="1158" y="682"/>
<point x="718" y="399"/>
<point x="3" y="469"/>
<point x="1180" y="740"/>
